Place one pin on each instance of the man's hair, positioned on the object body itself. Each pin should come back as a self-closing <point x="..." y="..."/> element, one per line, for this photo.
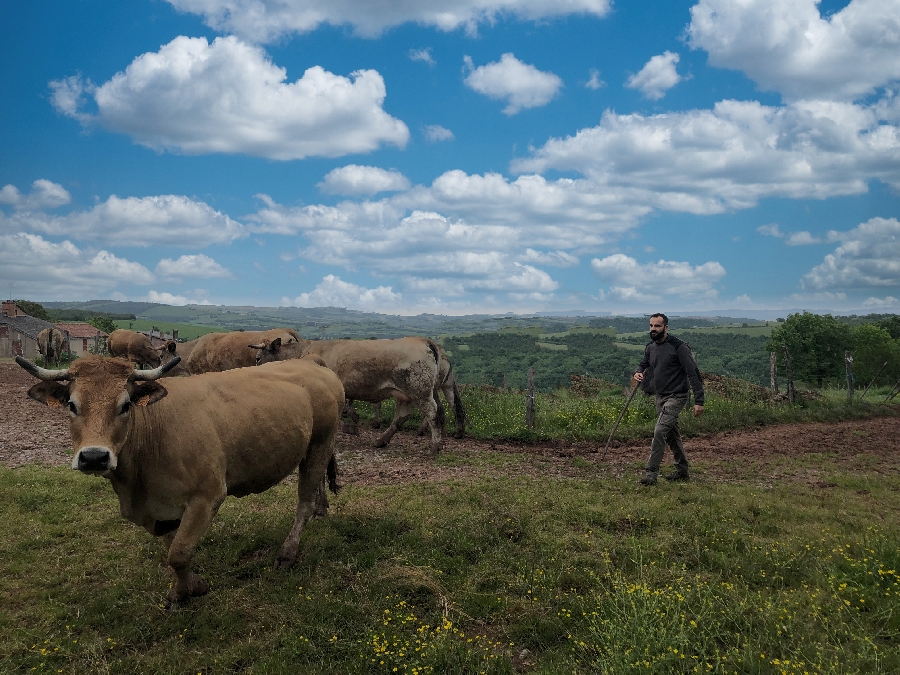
<point x="662" y="316"/>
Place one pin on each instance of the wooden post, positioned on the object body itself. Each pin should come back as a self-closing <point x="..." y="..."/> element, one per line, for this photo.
<point x="848" y="367"/>
<point x="529" y="400"/>
<point x="789" y="373"/>
<point x="773" y="371"/>
<point x="505" y="385"/>
<point x="873" y="380"/>
<point x="892" y="393"/>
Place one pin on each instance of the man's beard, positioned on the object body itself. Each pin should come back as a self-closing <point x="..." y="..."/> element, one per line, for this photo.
<point x="654" y="334"/>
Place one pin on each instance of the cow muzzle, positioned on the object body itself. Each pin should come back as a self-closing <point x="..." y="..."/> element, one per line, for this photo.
<point x="94" y="459"/>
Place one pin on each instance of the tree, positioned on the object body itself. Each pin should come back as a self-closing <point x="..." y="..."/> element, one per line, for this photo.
<point x="103" y="323"/>
<point x="816" y="344"/>
<point x="892" y="325"/>
<point x="33" y="309"/>
<point x="872" y="347"/>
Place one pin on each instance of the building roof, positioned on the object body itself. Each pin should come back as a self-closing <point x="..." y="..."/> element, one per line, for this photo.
<point x="81" y="330"/>
<point x="27" y="325"/>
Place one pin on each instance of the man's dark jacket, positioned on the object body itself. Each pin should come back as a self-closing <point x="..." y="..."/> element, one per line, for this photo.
<point x="670" y="366"/>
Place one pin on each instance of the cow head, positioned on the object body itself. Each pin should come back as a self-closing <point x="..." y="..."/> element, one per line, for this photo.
<point x="100" y="394"/>
<point x="267" y="351"/>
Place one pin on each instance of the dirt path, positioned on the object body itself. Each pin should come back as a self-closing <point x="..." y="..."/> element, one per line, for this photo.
<point x="32" y="433"/>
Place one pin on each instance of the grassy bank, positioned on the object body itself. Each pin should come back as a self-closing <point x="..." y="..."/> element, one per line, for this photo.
<point x="496" y="575"/>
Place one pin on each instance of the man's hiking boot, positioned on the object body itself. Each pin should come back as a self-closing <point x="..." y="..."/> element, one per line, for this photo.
<point x="649" y="478"/>
<point x="677" y="475"/>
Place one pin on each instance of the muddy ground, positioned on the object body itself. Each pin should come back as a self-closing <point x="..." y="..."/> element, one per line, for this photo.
<point x="31" y="433"/>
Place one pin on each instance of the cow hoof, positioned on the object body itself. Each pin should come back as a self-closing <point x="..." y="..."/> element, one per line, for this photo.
<point x="436" y="448"/>
<point x="459" y="434"/>
<point x="195" y="587"/>
<point x="285" y="560"/>
<point x="348" y="428"/>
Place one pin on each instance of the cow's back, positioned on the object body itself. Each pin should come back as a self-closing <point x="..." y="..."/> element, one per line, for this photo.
<point x="217" y="352"/>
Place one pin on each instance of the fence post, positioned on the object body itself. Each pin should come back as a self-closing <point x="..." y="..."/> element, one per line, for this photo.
<point x="873" y="380"/>
<point x="789" y="373"/>
<point x="848" y="366"/>
<point x="529" y="400"/>
<point x="773" y="372"/>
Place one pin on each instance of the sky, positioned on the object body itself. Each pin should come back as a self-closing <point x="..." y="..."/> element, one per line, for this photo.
<point x="453" y="156"/>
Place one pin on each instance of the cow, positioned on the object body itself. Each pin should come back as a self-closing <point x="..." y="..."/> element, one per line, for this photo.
<point x="446" y="382"/>
<point x="174" y="452"/>
<point x="135" y="347"/>
<point x="51" y="343"/>
<point x="404" y="369"/>
<point x="223" y="351"/>
<point x="180" y="349"/>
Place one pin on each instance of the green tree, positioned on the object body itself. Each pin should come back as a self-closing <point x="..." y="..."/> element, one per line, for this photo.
<point x="33" y="309"/>
<point x="816" y="344"/>
<point x="103" y="323"/>
<point x="872" y="348"/>
<point x="892" y="325"/>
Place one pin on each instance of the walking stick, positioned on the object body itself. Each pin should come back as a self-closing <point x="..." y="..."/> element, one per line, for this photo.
<point x="621" y="415"/>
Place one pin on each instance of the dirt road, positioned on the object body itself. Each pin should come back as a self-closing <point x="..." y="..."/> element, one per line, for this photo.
<point x="32" y="433"/>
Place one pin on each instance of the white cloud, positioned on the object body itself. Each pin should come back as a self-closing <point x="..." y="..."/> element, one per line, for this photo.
<point x="266" y="22"/>
<point x="334" y="292"/>
<point x="520" y="84"/>
<point x="63" y="270"/>
<point x="868" y="257"/>
<point x="889" y="302"/>
<point x="553" y="258"/>
<point x="166" y="298"/>
<point x="168" y="220"/>
<point x="595" y="82"/>
<point x="802" y="239"/>
<point x="657" y="76"/>
<point x="787" y="46"/>
<point x="771" y="230"/>
<point x="635" y="282"/>
<point x="422" y="55"/>
<point x="362" y="180"/>
<point x="196" y="266"/>
<point x="44" y="194"/>
<point x="709" y="161"/>
<point x="228" y="97"/>
<point x="435" y="132"/>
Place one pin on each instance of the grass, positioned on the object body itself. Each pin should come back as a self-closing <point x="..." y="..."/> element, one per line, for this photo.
<point x="494" y="575"/>
<point x="186" y="331"/>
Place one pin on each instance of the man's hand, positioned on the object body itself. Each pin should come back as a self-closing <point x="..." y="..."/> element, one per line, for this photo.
<point x="698" y="409"/>
<point x="638" y="377"/>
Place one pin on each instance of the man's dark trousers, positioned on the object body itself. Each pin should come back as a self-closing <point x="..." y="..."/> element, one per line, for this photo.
<point x="666" y="433"/>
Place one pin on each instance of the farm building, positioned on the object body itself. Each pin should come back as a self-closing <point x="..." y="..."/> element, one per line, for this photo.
<point x="19" y="333"/>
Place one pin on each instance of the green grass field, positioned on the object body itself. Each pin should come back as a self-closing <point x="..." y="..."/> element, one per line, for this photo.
<point x="186" y="331"/>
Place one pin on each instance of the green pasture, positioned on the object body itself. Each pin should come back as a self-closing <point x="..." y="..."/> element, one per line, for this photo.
<point x="490" y="575"/>
<point x="186" y="331"/>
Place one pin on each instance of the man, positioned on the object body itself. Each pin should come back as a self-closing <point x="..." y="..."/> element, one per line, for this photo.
<point x="670" y="366"/>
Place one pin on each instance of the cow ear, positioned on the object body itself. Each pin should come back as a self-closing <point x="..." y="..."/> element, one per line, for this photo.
<point x="145" y="393"/>
<point x="52" y="394"/>
<point x="275" y="345"/>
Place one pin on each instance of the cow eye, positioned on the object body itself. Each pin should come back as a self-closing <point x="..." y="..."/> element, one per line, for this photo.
<point x="72" y="408"/>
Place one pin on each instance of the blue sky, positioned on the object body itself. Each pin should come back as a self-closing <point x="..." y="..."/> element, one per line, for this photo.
<point x="453" y="157"/>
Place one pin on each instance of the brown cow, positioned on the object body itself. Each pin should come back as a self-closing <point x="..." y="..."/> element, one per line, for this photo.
<point x="174" y="452"/>
<point x="51" y="344"/>
<point x="223" y="351"/>
<point x="136" y="347"/>
<point x="180" y="349"/>
<point x="374" y="370"/>
<point x="446" y="382"/>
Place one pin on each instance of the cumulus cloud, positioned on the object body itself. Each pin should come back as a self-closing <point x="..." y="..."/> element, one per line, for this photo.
<point x="657" y="76"/>
<point x="334" y="292"/>
<point x="422" y="55"/>
<point x="787" y="46"/>
<point x="729" y="157"/>
<point x="196" y="266"/>
<point x="595" y="82"/>
<point x="520" y="84"/>
<point x="228" y="97"/>
<point x="165" y="298"/>
<point x="635" y="282"/>
<point x="167" y="220"/>
<point x="44" y="194"/>
<point x="266" y="22"/>
<point x="868" y="258"/>
<point x="801" y="238"/>
<point x="64" y="270"/>
<point x="552" y="258"/>
<point x="435" y="132"/>
<point x="363" y="180"/>
<point x="889" y="302"/>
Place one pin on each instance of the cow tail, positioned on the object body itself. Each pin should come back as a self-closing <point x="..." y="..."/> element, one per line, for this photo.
<point x="332" y="475"/>
<point x="441" y="417"/>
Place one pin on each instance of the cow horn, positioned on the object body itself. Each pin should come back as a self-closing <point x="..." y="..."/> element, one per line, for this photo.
<point x="42" y="373"/>
<point x="156" y="373"/>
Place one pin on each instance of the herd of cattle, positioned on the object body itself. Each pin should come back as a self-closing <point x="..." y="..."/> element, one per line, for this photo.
<point x="248" y="409"/>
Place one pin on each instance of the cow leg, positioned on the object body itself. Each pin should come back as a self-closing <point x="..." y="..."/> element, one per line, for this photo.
<point x="451" y="395"/>
<point x="376" y="411"/>
<point x="440" y="417"/>
<point x="196" y="520"/>
<point x="349" y="412"/>
<point x="311" y="497"/>
<point x="429" y="408"/>
<point x="401" y="414"/>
